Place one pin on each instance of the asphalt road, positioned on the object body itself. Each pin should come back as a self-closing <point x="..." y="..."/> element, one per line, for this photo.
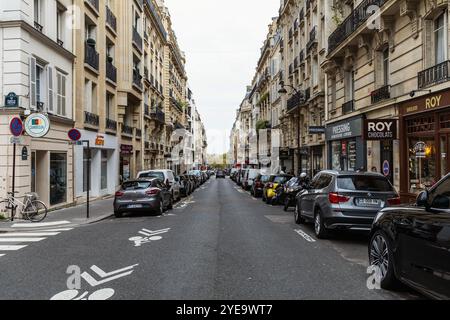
<point x="220" y="243"/>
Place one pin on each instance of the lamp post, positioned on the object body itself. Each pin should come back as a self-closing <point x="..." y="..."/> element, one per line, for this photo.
<point x="283" y="91"/>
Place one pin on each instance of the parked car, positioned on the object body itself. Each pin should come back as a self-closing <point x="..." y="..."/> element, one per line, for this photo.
<point x="196" y="181"/>
<point x="249" y="178"/>
<point x="241" y="176"/>
<point x="411" y="243"/>
<point x="149" y="195"/>
<point x="167" y="176"/>
<point x="344" y="201"/>
<point x="220" y="174"/>
<point x="269" y="191"/>
<point x="258" y="185"/>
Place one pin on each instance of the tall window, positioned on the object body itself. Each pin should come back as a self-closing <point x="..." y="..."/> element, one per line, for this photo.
<point x="37" y="11"/>
<point x="349" y="85"/>
<point x="61" y="93"/>
<point x="39" y="83"/>
<point x="60" y="22"/>
<point x="104" y="170"/>
<point x="386" y="66"/>
<point x="109" y="106"/>
<point x="440" y="38"/>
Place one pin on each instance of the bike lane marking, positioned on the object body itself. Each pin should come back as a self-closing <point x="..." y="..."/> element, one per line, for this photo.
<point x="11" y="248"/>
<point x="2" y="240"/>
<point x="29" y="234"/>
<point x="304" y="235"/>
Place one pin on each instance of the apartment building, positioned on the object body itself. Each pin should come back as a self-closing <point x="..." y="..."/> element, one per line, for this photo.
<point x="388" y="74"/>
<point x="96" y="42"/>
<point x="36" y="64"/>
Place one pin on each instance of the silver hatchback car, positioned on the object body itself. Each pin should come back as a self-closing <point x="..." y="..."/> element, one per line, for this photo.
<point x="344" y="201"/>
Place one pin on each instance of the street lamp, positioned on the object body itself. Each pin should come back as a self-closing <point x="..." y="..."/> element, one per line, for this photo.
<point x="283" y="89"/>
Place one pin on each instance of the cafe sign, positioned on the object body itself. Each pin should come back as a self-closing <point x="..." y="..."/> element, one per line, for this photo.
<point x="380" y="129"/>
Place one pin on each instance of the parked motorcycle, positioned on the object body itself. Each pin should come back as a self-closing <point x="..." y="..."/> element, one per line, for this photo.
<point x="292" y="188"/>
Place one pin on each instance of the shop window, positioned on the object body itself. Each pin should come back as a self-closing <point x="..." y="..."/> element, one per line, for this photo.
<point x="104" y="170"/>
<point x="422" y="163"/>
<point x="58" y="178"/>
<point x="422" y="124"/>
<point x="33" y="172"/>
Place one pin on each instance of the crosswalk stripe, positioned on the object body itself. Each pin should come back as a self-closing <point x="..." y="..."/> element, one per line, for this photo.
<point x="29" y="234"/>
<point x="55" y="230"/>
<point x="1" y="255"/>
<point x="21" y="239"/>
<point x="39" y="225"/>
<point x="11" y="248"/>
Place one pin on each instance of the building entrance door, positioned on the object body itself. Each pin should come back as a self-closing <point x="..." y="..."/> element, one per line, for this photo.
<point x="387" y="159"/>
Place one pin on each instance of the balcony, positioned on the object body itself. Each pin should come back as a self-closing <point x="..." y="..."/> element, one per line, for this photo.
<point x="154" y="13"/>
<point x="111" y="72"/>
<point x="137" y="79"/>
<point x="434" y="75"/>
<point x="137" y="39"/>
<point x="312" y="39"/>
<point x="93" y="3"/>
<point x="357" y="18"/>
<point x="381" y="94"/>
<point x="138" y="134"/>
<point x="348" y="107"/>
<point x="146" y="110"/>
<point x="111" y="19"/>
<point x="296" y="100"/>
<point x="291" y="69"/>
<point x="302" y="56"/>
<point x="147" y="145"/>
<point x="146" y="77"/>
<point x="111" y="125"/>
<point x="91" y="119"/>
<point x="291" y="34"/>
<point x="38" y="27"/>
<point x="127" y="130"/>
<point x="158" y="115"/>
<point x="302" y="15"/>
<point x="296" y="63"/>
<point x="91" y="56"/>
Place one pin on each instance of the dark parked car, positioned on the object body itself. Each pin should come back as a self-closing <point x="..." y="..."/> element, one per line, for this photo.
<point x="411" y="243"/>
<point x="186" y="185"/>
<point x="220" y="174"/>
<point x="145" y="195"/>
<point x="292" y="188"/>
<point x="344" y="201"/>
<point x="258" y="185"/>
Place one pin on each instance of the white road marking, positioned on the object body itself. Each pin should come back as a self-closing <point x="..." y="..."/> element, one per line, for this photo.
<point x="305" y="236"/>
<point x="29" y="234"/>
<point x="1" y="255"/>
<point x="21" y="239"/>
<point x="11" y="248"/>
<point x="39" y="225"/>
<point x="93" y="283"/>
<point x="56" y="230"/>
<point x="104" y="274"/>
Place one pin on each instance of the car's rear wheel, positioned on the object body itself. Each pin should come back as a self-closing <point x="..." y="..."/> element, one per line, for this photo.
<point x="298" y="215"/>
<point x="381" y="257"/>
<point x="319" y="225"/>
<point x="286" y="204"/>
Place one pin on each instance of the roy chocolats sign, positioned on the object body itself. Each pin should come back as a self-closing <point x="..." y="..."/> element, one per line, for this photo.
<point x="380" y="129"/>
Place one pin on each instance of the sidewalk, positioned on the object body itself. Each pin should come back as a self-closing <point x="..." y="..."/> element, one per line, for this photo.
<point x="99" y="210"/>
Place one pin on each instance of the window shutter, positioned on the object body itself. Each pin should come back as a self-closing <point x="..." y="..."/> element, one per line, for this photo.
<point x="32" y="83"/>
<point x="63" y="95"/>
<point x="428" y="45"/>
<point x="50" y="89"/>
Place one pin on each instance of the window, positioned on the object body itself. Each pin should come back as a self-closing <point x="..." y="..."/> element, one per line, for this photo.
<point x="440" y="38"/>
<point x="109" y="105"/>
<point x="333" y="93"/>
<point x="37" y="11"/>
<point x="60" y="22"/>
<point x="349" y="85"/>
<point x="39" y="83"/>
<point x="386" y="66"/>
<point x="364" y="183"/>
<point x="61" y="94"/>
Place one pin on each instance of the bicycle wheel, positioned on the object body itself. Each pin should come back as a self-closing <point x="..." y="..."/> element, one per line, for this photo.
<point x="36" y="211"/>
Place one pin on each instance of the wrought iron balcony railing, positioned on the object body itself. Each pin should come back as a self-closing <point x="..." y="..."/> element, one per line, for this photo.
<point x="296" y="100"/>
<point x="91" y="119"/>
<point x="138" y="133"/>
<point x="111" y="125"/>
<point x="137" y="39"/>
<point x="91" y="56"/>
<point x="111" y="19"/>
<point x="358" y="16"/>
<point x="434" y="75"/>
<point x="381" y="94"/>
<point x="111" y="72"/>
<point x="127" y="130"/>
<point x="312" y="38"/>
<point x="137" y="79"/>
<point x="158" y="115"/>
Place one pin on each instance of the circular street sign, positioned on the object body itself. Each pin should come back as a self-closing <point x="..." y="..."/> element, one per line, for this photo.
<point x="16" y="127"/>
<point x="386" y="168"/>
<point x="37" y="125"/>
<point x="74" y="134"/>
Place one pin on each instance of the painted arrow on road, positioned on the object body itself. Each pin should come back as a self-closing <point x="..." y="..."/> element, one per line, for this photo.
<point x="108" y="276"/>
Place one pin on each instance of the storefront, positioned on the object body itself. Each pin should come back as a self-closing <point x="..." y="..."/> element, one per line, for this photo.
<point x="126" y="157"/>
<point x="104" y="163"/>
<point x="346" y="145"/>
<point x="425" y="142"/>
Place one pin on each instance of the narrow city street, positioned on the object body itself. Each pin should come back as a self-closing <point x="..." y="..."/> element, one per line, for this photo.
<point x="219" y="243"/>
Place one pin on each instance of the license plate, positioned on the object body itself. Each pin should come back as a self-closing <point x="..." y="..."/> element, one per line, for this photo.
<point x="368" y="202"/>
<point x="134" y="206"/>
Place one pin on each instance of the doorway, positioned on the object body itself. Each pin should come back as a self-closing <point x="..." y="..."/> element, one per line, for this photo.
<point x="387" y="159"/>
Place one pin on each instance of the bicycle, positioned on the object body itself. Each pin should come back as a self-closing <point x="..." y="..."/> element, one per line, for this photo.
<point x="32" y="209"/>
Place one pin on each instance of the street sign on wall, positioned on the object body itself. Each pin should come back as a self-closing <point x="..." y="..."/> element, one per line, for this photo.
<point x="16" y="126"/>
<point x="11" y="100"/>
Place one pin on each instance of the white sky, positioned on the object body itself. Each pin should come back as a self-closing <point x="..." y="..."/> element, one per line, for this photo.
<point x="222" y="41"/>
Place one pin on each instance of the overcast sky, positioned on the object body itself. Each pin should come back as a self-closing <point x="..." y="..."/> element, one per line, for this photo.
<point x="222" y="41"/>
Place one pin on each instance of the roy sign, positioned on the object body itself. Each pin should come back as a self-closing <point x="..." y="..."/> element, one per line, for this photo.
<point x="380" y="129"/>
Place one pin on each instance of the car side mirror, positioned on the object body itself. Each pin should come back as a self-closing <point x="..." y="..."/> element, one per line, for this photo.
<point x="422" y="199"/>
